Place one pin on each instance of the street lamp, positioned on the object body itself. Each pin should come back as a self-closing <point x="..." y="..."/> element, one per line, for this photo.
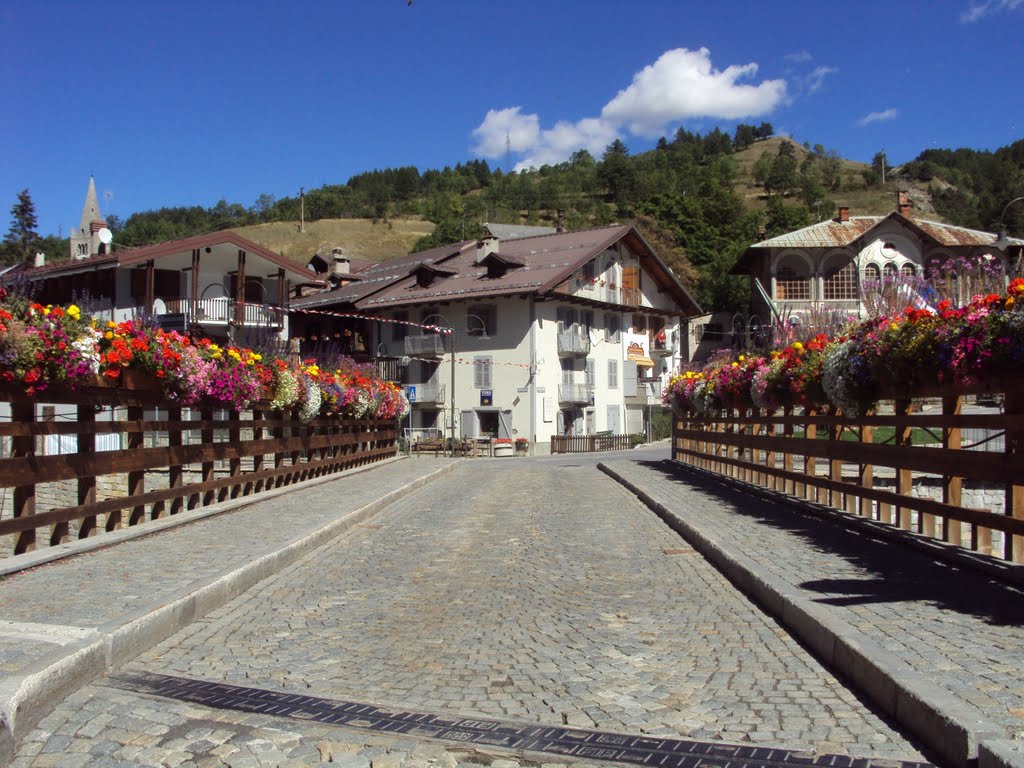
<point x="1003" y="242"/>
<point x="449" y="330"/>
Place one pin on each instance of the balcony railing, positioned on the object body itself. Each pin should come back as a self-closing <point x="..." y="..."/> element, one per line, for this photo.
<point x="573" y="393"/>
<point x="427" y="345"/>
<point x="428" y="394"/>
<point x="217" y="311"/>
<point x="572" y="343"/>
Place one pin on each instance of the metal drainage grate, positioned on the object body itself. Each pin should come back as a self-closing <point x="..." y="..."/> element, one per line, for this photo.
<point x="571" y="742"/>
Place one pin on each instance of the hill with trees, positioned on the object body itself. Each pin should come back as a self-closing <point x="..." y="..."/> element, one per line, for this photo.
<point x="701" y="198"/>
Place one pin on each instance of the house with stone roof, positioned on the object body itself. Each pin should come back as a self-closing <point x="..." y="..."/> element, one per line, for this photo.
<point x="827" y="266"/>
<point x="550" y="334"/>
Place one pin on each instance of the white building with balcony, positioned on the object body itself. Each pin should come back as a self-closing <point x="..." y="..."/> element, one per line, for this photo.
<point x="563" y="333"/>
<point x="219" y="285"/>
<point x="827" y="267"/>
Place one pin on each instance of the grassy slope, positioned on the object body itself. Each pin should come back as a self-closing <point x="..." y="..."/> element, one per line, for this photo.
<point x="861" y="201"/>
<point x="361" y="238"/>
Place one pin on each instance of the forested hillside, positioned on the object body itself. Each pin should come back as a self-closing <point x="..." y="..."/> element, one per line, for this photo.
<point x="700" y="199"/>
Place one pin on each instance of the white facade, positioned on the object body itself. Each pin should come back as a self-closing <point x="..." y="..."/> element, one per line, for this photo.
<point x="590" y="358"/>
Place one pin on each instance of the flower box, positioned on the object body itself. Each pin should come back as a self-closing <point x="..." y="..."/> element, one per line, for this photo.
<point x="503" y="449"/>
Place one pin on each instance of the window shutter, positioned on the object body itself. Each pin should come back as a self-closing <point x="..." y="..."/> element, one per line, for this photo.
<point x="629" y="378"/>
<point x="482" y="372"/>
<point x="613" y="374"/>
<point x="590" y="375"/>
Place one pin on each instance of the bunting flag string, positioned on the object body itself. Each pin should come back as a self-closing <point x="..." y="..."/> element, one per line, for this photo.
<point x="444" y="330"/>
<point x="356" y="316"/>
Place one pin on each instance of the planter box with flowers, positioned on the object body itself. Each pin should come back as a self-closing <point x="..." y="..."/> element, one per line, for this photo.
<point x="522" y="446"/>
<point x="503" y="447"/>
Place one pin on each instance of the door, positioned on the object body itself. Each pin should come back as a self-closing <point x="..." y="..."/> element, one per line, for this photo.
<point x="614" y="425"/>
<point x="505" y="424"/>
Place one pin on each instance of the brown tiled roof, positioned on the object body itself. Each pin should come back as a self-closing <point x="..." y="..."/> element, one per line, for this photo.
<point x="128" y="256"/>
<point x="538" y="265"/>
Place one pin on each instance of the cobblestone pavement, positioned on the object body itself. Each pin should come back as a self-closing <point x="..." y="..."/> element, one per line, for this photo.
<point x="959" y="627"/>
<point x="521" y="590"/>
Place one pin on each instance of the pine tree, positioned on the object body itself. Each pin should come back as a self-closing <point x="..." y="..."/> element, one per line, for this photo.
<point x="22" y="236"/>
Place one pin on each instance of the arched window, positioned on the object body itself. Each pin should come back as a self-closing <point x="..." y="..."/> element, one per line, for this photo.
<point x="840" y="280"/>
<point x="908" y="270"/>
<point x="872" y="274"/>
<point x="889" y="271"/>
<point x="793" y="279"/>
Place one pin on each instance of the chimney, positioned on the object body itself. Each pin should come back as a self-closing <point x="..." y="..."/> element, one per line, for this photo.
<point x="40" y="260"/>
<point x="340" y="262"/>
<point x="844" y="214"/>
<point x="486" y="246"/>
<point x="560" y="221"/>
<point x="903" y="203"/>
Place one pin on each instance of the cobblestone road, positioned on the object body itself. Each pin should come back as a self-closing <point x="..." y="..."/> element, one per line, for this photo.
<point x="522" y="590"/>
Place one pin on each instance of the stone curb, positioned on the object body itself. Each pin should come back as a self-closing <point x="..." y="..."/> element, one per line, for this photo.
<point x="1001" y="753"/>
<point x="946" y="724"/>
<point x="26" y="699"/>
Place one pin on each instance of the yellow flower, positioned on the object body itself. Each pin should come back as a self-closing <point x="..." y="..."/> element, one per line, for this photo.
<point x="74" y="312"/>
<point x="257" y="356"/>
<point x="108" y="335"/>
<point x="1010" y="302"/>
<point x="742" y="358"/>
<point x="233" y="353"/>
<point x="111" y="324"/>
<point x="735" y="365"/>
<point x="797" y="346"/>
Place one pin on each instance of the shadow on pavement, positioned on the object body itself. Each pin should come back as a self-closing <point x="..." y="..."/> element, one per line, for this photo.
<point x="894" y="573"/>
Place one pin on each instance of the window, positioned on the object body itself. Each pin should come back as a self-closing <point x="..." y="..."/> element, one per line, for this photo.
<point x="482" y="320"/>
<point x="613" y="374"/>
<point x="568" y="375"/>
<point x="792" y="280"/>
<point x="590" y="376"/>
<point x="611" y="327"/>
<point x="890" y="271"/>
<point x="840" y="281"/>
<point x="908" y="270"/>
<point x="587" y="320"/>
<point x="872" y="273"/>
<point x="640" y="324"/>
<point x="482" y="371"/>
<point x="399" y="329"/>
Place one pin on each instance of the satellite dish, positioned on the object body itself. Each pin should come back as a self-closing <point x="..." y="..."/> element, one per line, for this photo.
<point x="105" y="236"/>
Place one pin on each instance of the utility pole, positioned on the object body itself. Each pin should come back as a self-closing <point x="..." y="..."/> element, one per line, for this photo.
<point x="302" y="210"/>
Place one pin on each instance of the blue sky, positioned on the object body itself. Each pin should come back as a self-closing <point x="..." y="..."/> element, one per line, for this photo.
<point x="186" y="103"/>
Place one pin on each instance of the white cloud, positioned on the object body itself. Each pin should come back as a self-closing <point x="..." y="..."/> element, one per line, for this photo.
<point x="799" y="57"/>
<point x="504" y="127"/>
<point x="558" y="143"/>
<point x="878" y="117"/>
<point x="682" y="84"/>
<point x="979" y="11"/>
<point x="816" y="79"/>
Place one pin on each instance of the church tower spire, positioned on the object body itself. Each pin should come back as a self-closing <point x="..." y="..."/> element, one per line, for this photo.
<point x="85" y="240"/>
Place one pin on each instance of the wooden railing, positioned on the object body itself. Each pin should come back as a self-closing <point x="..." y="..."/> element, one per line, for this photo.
<point x="918" y="465"/>
<point x="589" y="443"/>
<point x="163" y="466"/>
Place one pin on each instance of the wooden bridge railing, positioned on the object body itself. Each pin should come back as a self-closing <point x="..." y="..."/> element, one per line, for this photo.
<point x="589" y="443"/>
<point x="882" y="466"/>
<point x="162" y="466"/>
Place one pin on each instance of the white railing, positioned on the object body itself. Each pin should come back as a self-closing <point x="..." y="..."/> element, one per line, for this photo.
<point x="428" y="393"/>
<point x="573" y="343"/>
<point x="573" y="393"/>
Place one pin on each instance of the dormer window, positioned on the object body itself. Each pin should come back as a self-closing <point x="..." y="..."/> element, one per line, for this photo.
<point x="426" y="275"/>
<point x="497" y="265"/>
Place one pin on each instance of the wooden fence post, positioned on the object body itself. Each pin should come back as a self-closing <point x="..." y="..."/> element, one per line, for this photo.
<point x="810" y="468"/>
<point x="904" y="477"/>
<point x="952" y="486"/>
<point x="137" y="477"/>
<point x="1013" y="405"/>
<point x="24" y="495"/>
<point x="208" y="471"/>
<point x="87" y="451"/>
<point x="176" y="472"/>
<point x="787" y="486"/>
<point x="865" y="507"/>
